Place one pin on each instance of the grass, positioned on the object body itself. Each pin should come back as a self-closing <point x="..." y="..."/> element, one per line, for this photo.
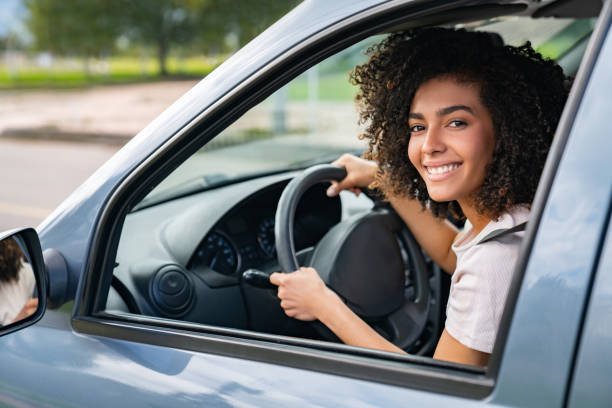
<point x="115" y="70"/>
<point x="332" y="87"/>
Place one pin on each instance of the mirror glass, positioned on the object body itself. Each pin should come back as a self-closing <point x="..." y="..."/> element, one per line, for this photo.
<point x="18" y="297"/>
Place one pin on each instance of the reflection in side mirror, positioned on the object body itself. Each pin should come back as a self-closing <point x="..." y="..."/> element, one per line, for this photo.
<point x="22" y="280"/>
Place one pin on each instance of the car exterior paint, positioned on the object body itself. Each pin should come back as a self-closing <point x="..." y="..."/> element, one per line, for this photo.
<point x="52" y="364"/>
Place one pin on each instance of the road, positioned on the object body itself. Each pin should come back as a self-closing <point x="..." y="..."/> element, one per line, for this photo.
<point x="40" y="171"/>
<point x="39" y="175"/>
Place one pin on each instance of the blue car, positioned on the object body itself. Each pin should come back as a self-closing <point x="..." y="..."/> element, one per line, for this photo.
<point x="151" y="277"/>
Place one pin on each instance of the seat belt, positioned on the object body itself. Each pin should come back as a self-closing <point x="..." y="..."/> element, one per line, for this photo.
<point x="502" y="231"/>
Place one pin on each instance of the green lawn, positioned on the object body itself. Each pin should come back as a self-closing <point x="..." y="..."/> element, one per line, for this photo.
<point x="120" y="70"/>
<point x="332" y="87"/>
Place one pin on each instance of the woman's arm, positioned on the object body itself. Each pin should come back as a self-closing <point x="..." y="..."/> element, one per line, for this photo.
<point x="435" y="235"/>
<point x="304" y="296"/>
<point x="450" y="349"/>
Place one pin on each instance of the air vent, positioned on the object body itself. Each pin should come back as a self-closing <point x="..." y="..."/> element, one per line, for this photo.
<point x="172" y="291"/>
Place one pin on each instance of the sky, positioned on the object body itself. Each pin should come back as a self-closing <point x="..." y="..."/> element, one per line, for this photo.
<point x="12" y="13"/>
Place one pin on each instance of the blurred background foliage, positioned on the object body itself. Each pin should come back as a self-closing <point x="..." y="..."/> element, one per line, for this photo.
<point x="68" y="43"/>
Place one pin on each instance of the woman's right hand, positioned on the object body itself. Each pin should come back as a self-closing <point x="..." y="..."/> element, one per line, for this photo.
<point x="303" y="293"/>
<point x="359" y="173"/>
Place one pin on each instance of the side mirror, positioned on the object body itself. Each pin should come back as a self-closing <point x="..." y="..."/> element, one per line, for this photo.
<point x="23" y="280"/>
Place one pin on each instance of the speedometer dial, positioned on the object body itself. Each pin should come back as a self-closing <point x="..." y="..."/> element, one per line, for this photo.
<point x="265" y="236"/>
<point x="218" y="253"/>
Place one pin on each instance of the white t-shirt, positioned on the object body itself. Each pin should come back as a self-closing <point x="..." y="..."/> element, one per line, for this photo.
<point x="14" y="295"/>
<point x="481" y="280"/>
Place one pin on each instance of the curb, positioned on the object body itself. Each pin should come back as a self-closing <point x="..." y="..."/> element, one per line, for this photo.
<point x="54" y="134"/>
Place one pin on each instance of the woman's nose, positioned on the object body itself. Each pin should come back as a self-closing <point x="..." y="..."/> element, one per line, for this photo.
<point x="433" y="141"/>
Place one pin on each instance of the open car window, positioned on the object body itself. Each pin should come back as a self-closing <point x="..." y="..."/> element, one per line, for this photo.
<point x="313" y="119"/>
<point x="184" y="247"/>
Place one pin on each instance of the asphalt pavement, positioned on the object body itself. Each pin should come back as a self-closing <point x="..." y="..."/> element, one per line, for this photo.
<point x="39" y="175"/>
<point x="51" y="141"/>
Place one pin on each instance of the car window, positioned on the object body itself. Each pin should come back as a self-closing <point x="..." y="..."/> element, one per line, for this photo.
<point x="311" y="119"/>
<point x="183" y="248"/>
<point x="314" y="118"/>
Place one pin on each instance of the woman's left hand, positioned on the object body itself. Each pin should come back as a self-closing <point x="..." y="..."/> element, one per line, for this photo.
<point x="302" y="293"/>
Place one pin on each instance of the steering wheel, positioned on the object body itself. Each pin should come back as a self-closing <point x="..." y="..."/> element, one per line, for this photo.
<point x="361" y="260"/>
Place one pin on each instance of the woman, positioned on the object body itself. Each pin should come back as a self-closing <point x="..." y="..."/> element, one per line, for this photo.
<point x="458" y="125"/>
<point x="17" y="284"/>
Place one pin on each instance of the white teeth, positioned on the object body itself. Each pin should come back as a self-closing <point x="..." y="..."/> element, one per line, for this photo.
<point x="442" y="169"/>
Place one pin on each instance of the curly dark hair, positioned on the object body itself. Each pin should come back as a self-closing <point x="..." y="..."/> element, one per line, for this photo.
<point x="11" y="257"/>
<point x="523" y="92"/>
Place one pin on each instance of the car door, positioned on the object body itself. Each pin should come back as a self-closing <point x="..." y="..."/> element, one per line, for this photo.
<point x="95" y="360"/>
<point x="589" y="385"/>
<point x="543" y="330"/>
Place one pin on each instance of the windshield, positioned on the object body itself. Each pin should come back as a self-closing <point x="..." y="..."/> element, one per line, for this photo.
<point x="314" y="118"/>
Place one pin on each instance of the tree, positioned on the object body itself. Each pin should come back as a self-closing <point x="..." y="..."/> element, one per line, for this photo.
<point x="92" y="27"/>
<point x="243" y="18"/>
<point x="161" y="23"/>
<point x="74" y="27"/>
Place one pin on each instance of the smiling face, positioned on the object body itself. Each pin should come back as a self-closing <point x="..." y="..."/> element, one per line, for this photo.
<point x="452" y="138"/>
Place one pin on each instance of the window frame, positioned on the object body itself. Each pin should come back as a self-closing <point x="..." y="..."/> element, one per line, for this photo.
<point x="406" y="371"/>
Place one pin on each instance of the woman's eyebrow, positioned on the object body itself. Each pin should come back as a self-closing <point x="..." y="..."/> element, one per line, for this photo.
<point x="443" y="111"/>
<point x="415" y="116"/>
<point x="451" y="109"/>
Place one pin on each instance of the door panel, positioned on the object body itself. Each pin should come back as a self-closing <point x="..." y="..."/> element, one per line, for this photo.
<point x="591" y="382"/>
<point x="50" y="365"/>
<point x="539" y="351"/>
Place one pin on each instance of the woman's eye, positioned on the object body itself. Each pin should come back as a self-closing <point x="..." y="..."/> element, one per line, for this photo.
<point x="457" y="123"/>
<point x="417" y="128"/>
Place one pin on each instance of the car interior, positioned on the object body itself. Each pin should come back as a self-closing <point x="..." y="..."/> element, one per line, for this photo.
<point x="199" y="245"/>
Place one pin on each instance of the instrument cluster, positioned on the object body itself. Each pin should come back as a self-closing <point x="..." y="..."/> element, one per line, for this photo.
<point x="244" y="237"/>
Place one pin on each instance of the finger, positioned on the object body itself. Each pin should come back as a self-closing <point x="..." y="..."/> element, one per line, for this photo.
<point x="307" y="269"/>
<point x="300" y="272"/>
<point x="333" y="190"/>
<point x="287" y="304"/>
<point x="277" y="278"/>
<point x="346" y="183"/>
<point x="340" y="161"/>
<point x="304" y="316"/>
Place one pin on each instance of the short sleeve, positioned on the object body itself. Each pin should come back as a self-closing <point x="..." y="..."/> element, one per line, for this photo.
<point x="479" y="288"/>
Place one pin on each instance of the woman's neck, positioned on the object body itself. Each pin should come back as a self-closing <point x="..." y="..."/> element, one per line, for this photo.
<point x="478" y="220"/>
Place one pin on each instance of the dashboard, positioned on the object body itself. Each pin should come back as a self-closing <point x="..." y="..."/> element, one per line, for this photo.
<point x="244" y="237"/>
<point x="184" y="258"/>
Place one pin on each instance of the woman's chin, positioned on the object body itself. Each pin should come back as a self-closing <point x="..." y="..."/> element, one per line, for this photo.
<point x="440" y="197"/>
